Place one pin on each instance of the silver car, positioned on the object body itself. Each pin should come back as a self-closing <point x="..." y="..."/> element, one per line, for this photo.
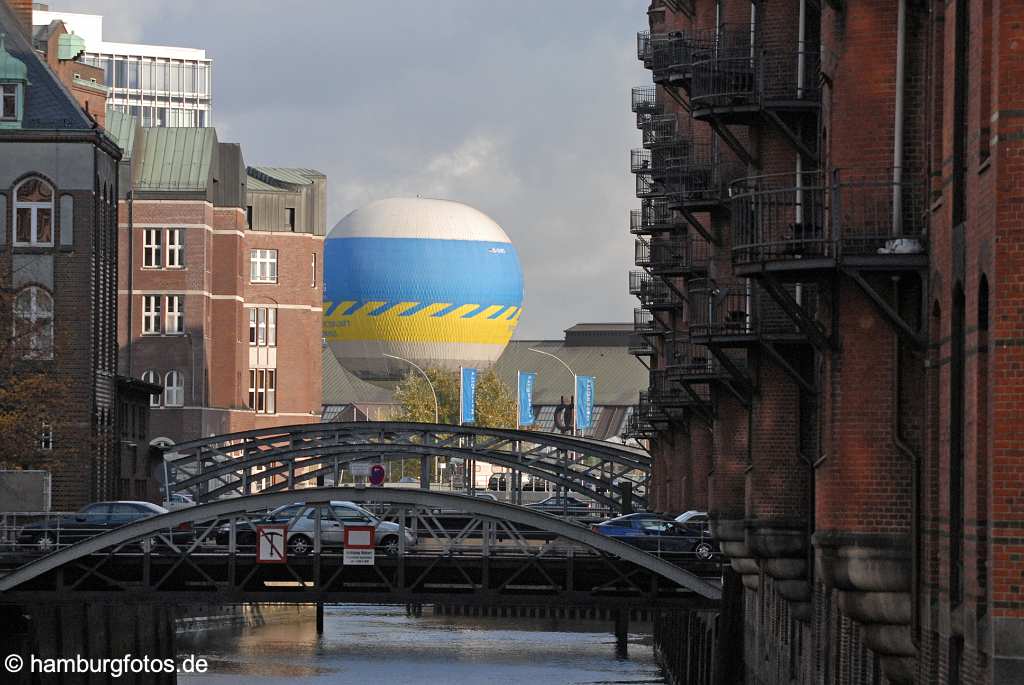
<point x="301" y="521"/>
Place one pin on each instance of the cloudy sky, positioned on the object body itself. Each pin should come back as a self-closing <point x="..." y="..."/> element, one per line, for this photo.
<point x="520" y="109"/>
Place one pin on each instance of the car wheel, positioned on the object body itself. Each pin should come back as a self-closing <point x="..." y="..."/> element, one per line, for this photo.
<point x="704" y="551"/>
<point x="45" y="542"/>
<point x="390" y="545"/>
<point x="300" y="545"/>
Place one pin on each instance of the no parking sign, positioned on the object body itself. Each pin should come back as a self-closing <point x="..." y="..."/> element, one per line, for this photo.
<point x="377" y="475"/>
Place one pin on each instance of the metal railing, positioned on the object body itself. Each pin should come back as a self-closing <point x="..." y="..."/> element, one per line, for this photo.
<point x="653" y="216"/>
<point x="644" y="100"/>
<point x="739" y="72"/>
<point x="661" y="161"/>
<point x="643" y="47"/>
<point x="663" y="129"/>
<point x="745" y="310"/>
<point x="673" y="54"/>
<point x="636" y="427"/>
<point x="645" y="323"/>
<point x="704" y="176"/>
<point x="653" y="292"/>
<point x="640" y="346"/>
<point x="848" y="212"/>
<point x="673" y="254"/>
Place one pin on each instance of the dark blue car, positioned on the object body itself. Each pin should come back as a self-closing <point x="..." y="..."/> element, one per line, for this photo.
<point x="654" y="533"/>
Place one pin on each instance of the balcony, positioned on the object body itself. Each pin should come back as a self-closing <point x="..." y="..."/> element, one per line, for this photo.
<point x="703" y="177"/>
<point x="663" y="129"/>
<point x="654" y="294"/>
<point x="643" y="47"/>
<point x="644" y="100"/>
<point x="673" y="255"/>
<point x="636" y="428"/>
<point x="799" y="223"/>
<point x="670" y="393"/>
<point x="740" y="315"/>
<point x="659" y="162"/>
<point x="646" y="324"/>
<point x="738" y="78"/>
<point x="672" y="55"/>
<point x="654" y="216"/>
<point x="641" y="346"/>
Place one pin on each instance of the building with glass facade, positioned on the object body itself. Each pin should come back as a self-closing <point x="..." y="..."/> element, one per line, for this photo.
<point x="161" y="85"/>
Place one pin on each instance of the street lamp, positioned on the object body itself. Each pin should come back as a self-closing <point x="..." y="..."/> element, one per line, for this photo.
<point x="569" y="368"/>
<point x="425" y="377"/>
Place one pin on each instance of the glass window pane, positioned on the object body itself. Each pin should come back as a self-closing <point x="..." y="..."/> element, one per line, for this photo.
<point x="23" y="231"/>
<point x="44" y="229"/>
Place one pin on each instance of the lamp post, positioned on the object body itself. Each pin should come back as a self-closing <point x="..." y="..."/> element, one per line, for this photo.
<point x="425" y="377"/>
<point x="565" y="455"/>
<point x="573" y="373"/>
<point x="424" y="465"/>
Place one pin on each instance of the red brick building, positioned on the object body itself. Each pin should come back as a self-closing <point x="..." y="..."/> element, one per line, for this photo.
<point x="220" y="288"/>
<point x="59" y="176"/>
<point x="830" y="250"/>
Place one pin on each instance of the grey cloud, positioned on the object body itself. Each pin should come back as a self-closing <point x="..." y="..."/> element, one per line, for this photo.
<point x="520" y="109"/>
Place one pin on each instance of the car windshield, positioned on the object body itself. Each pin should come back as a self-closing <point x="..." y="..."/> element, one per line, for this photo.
<point x="285" y="514"/>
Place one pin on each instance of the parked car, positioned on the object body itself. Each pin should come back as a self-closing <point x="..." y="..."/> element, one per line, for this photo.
<point x="656" y="534"/>
<point x="301" y="521"/>
<point x="562" y="504"/>
<point x="179" y="500"/>
<point x="692" y="516"/>
<point x="92" y="520"/>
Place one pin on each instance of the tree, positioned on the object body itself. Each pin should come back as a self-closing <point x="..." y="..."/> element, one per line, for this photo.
<point x="495" y="401"/>
<point x="33" y="389"/>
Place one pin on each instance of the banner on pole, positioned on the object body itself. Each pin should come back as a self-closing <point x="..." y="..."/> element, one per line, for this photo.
<point x="584" y="402"/>
<point x="526" y="383"/>
<point x="467" y="402"/>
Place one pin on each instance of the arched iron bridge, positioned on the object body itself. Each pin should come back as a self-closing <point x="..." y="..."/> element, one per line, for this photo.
<point x="500" y="554"/>
<point x="286" y="458"/>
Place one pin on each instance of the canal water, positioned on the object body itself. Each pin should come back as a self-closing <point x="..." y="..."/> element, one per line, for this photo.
<point x="368" y="645"/>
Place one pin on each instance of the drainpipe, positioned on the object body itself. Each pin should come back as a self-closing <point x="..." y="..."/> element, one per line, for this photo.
<point x="131" y="280"/>
<point x="801" y="60"/>
<point x="897" y="156"/>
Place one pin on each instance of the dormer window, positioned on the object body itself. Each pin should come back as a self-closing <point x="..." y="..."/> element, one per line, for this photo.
<point x="9" y="101"/>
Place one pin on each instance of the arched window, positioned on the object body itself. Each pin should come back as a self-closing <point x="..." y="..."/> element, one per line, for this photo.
<point x="154" y="378"/>
<point x="33" y="323"/>
<point x="174" y="389"/>
<point x="33" y="213"/>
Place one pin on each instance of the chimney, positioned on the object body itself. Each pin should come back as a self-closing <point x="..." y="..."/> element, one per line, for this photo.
<point x="23" y="11"/>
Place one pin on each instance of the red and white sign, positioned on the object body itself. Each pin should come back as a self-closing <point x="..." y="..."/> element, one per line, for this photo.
<point x="360" y="544"/>
<point x="271" y="544"/>
<point x="377" y="475"/>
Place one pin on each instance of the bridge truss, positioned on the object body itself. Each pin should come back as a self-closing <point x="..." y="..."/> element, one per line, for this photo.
<point x="465" y="549"/>
<point x="285" y="458"/>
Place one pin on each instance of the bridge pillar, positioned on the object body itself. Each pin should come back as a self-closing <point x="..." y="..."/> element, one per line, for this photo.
<point x="319" y="618"/>
<point x="621" y="633"/>
<point x="425" y="472"/>
<point x="626" y="503"/>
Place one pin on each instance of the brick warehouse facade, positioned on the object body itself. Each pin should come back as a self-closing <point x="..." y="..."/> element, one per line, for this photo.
<point x="220" y="294"/>
<point x="830" y="249"/>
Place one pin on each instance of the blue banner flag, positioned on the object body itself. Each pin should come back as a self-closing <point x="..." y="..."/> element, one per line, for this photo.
<point x="526" y="383"/>
<point x="467" y="403"/>
<point x="584" y="401"/>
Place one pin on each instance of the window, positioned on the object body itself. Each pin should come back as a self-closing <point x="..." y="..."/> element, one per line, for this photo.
<point x="175" y="248"/>
<point x="263" y="326"/>
<point x="248" y="216"/>
<point x="263" y="390"/>
<point x="312" y="281"/>
<point x="175" y="323"/>
<point x="174" y="389"/>
<point x="152" y="248"/>
<point x="8" y="102"/>
<point x="33" y="324"/>
<point x="263" y="266"/>
<point x="291" y="217"/>
<point x="46" y="436"/>
<point x="151" y="315"/>
<point x="33" y="213"/>
<point x="152" y="377"/>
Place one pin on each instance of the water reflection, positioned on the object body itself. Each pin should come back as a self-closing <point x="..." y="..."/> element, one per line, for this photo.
<point x="382" y="645"/>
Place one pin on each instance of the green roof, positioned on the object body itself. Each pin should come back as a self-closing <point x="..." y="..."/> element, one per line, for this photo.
<point x="255" y="184"/>
<point x="121" y="127"/>
<point x="11" y="68"/>
<point x="69" y="46"/>
<point x="176" y="158"/>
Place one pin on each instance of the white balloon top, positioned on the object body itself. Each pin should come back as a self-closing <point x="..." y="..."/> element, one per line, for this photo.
<point x="414" y="217"/>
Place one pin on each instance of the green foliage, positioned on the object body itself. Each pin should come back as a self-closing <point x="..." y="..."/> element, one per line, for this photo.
<point x="495" y="401"/>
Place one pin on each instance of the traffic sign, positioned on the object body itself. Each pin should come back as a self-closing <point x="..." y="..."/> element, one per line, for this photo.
<point x="271" y="544"/>
<point x="377" y="474"/>
<point x="360" y="543"/>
